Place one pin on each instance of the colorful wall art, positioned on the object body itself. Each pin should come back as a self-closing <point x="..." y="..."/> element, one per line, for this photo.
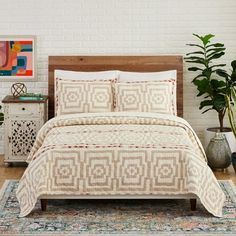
<point x="17" y="58"/>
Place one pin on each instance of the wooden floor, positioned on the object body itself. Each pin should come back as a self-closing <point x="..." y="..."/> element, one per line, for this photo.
<point x="13" y="172"/>
<point x="17" y="170"/>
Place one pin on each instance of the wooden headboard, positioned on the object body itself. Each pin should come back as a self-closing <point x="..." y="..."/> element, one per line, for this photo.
<point x="125" y="63"/>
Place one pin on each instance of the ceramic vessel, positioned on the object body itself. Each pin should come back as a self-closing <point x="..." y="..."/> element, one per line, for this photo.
<point x="218" y="152"/>
<point x="209" y="133"/>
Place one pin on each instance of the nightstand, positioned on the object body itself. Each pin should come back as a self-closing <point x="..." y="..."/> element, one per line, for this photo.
<point x="22" y="119"/>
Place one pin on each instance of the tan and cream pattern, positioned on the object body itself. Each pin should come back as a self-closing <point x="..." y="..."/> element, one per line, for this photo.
<point x="76" y="96"/>
<point x="146" y="96"/>
<point x="118" y="154"/>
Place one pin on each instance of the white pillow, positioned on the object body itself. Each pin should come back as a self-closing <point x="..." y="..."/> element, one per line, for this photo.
<point x="147" y="76"/>
<point x="79" y="75"/>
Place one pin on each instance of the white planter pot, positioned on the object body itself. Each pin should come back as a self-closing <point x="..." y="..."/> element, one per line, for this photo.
<point x="208" y="135"/>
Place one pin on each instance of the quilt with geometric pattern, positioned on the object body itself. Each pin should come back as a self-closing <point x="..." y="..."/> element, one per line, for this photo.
<point x="118" y="153"/>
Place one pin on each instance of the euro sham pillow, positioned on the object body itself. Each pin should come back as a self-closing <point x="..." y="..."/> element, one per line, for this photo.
<point x="82" y="75"/>
<point x="77" y="96"/>
<point x="146" y="96"/>
<point x="125" y="76"/>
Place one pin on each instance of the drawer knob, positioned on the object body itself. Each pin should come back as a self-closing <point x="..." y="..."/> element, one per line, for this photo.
<point x="23" y="108"/>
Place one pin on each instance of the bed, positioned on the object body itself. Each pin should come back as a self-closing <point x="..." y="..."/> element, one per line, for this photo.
<point x="122" y="152"/>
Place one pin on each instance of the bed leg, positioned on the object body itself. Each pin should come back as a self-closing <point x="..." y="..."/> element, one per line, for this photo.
<point x="44" y="204"/>
<point x="193" y="204"/>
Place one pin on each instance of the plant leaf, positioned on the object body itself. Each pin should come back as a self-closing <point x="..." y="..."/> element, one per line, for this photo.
<point x="233" y="74"/>
<point x="202" y="86"/>
<point x="194" y="69"/>
<point x="207" y="72"/>
<point x="196" y="61"/>
<point x="213" y="53"/>
<point x="219" y="102"/>
<point x="233" y="64"/>
<point x="198" y="36"/>
<point x="217" y="45"/>
<point x="218" y="65"/>
<point x="231" y="113"/>
<point x="205" y="103"/>
<point x="195" y="45"/>
<point x="196" y="52"/>
<point x="233" y="94"/>
<point x="207" y="110"/>
<point x="205" y="39"/>
<point x="212" y="50"/>
<point x="198" y="76"/>
<point x="217" y="84"/>
<point x="194" y="58"/>
<point x="222" y="73"/>
<point x="216" y="56"/>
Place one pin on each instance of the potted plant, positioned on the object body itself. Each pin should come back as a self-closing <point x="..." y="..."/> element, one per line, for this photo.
<point x="231" y="102"/>
<point x="211" y="82"/>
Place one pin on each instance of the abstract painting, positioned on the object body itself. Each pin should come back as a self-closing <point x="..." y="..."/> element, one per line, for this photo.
<point x="17" y="57"/>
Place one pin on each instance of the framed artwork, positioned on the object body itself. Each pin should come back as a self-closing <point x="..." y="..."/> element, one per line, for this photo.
<point x="17" y="58"/>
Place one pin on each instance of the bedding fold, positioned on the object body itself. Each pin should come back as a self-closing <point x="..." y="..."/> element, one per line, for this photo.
<point x="118" y="154"/>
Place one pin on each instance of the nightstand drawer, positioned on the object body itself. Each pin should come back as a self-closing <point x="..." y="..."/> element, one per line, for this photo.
<point x="24" y="109"/>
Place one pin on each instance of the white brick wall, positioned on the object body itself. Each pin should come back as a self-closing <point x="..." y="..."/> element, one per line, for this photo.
<point x="120" y="27"/>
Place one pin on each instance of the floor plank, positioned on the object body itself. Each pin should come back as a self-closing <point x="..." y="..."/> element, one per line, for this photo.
<point x="17" y="170"/>
<point x="228" y="174"/>
<point x="12" y="172"/>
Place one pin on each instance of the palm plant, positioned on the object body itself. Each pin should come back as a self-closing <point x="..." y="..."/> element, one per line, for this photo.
<point x="213" y="90"/>
<point x="230" y="96"/>
<point x="231" y="112"/>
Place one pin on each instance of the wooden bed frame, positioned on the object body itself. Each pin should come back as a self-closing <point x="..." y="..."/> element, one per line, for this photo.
<point x="125" y="63"/>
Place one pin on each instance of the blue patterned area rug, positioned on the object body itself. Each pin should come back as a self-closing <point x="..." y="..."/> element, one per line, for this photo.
<point x="116" y="217"/>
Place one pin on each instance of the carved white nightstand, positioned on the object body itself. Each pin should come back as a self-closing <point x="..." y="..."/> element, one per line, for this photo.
<point x="22" y="119"/>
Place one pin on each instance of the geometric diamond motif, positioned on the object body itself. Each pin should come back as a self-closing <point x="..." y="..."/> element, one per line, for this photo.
<point x="99" y="170"/>
<point x="152" y="96"/>
<point x="165" y="170"/>
<point x="132" y="166"/>
<point x="83" y="96"/>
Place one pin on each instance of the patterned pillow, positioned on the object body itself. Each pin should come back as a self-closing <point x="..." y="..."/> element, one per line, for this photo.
<point x="146" y="96"/>
<point x="76" y="96"/>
